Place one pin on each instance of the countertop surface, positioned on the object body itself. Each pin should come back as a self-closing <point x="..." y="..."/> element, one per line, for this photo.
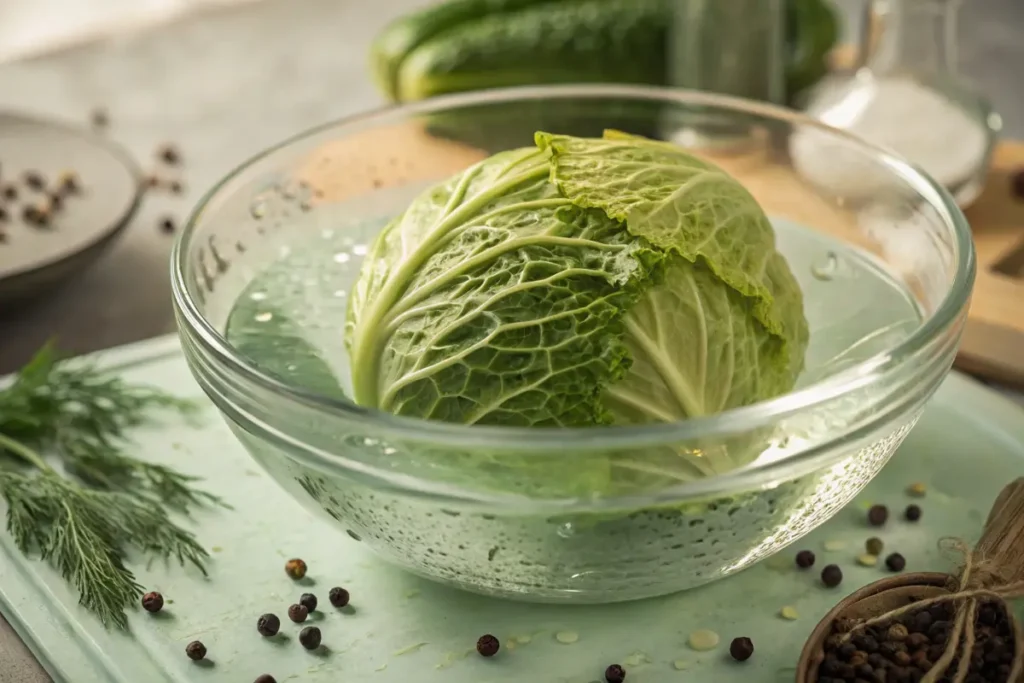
<point x="225" y="84"/>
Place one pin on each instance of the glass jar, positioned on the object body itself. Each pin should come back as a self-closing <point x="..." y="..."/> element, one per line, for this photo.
<point x="905" y="95"/>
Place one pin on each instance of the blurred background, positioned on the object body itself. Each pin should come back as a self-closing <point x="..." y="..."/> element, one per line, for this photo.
<point x="218" y="80"/>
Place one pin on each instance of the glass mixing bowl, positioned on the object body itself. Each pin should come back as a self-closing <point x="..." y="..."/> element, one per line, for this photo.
<point x="507" y="511"/>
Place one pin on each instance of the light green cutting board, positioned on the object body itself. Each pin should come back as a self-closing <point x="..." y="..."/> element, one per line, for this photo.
<point x="969" y="443"/>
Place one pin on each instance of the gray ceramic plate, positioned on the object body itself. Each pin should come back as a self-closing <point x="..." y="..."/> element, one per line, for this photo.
<point x="33" y="259"/>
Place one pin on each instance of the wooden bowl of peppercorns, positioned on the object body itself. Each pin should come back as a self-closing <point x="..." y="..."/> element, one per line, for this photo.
<point x="871" y="600"/>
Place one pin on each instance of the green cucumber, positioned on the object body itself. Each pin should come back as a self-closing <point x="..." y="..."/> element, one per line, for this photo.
<point x="465" y="45"/>
<point x="404" y="35"/>
<point x="569" y="42"/>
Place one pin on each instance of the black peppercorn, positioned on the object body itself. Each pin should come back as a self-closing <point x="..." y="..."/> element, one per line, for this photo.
<point x="152" y="602"/>
<point x="847" y="650"/>
<point x="34" y="180"/>
<point x="741" y="649"/>
<point x="339" y="596"/>
<point x="195" y="651"/>
<point x="310" y="637"/>
<point x="912" y="513"/>
<point x="38" y="216"/>
<point x="916" y="641"/>
<point x="866" y="643"/>
<point x="10" y="193"/>
<point x="615" y="674"/>
<point x="298" y="613"/>
<point x="295" y="568"/>
<point x="265" y="678"/>
<point x="831" y="576"/>
<point x="896" y="563"/>
<point x="67" y="183"/>
<point x="167" y="226"/>
<point x="874" y="546"/>
<point x="487" y="645"/>
<point x="805" y="559"/>
<point x="100" y="118"/>
<point x="169" y="154"/>
<point x="268" y="625"/>
<point x="176" y="187"/>
<point x="877" y="515"/>
<point x="308" y="600"/>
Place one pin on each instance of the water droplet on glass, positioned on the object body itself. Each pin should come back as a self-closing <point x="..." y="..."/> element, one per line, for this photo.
<point x="264" y="317"/>
<point x="258" y="296"/>
<point x="340" y="293"/>
<point x="566" y="530"/>
<point x="367" y="441"/>
<point x="258" y="209"/>
<point x="360" y="250"/>
<point x="291" y="367"/>
<point x="342" y="257"/>
<point x="826" y="270"/>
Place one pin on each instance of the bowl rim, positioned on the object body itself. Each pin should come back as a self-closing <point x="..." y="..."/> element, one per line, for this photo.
<point x="737" y="420"/>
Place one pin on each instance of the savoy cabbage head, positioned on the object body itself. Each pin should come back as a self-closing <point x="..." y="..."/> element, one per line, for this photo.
<point x="579" y="282"/>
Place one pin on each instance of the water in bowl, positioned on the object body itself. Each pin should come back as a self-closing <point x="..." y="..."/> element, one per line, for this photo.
<point x="289" y="320"/>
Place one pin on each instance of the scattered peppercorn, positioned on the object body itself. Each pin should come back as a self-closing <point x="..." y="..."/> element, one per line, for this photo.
<point x="169" y="154"/>
<point x="67" y="183"/>
<point x="805" y="559"/>
<point x="4" y="216"/>
<point x="896" y="563"/>
<point x="195" y="651"/>
<point x="39" y="216"/>
<point x="55" y="201"/>
<point x="741" y="649"/>
<point x="308" y="600"/>
<point x="487" y="645"/>
<point x="265" y="678"/>
<point x="615" y="674"/>
<point x="34" y="180"/>
<point x="100" y="118"/>
<point x="831" y="576"/>
<point x="339" y="596"/>
<point x="152" y="602"/>
<point x="176" y="187"/>
<point x="268" y="624"/>
<point x="310" y="637"/>
<point x="167" y="226"/>
<point x="295" y="568"/>
<point x="917" y="489"/>
<point x="298" y="613"/>
<point x="10" y="193"/>
<point x="912" y="513"/>
<point x="874" y="546"/>
<point x="877" y="515"/>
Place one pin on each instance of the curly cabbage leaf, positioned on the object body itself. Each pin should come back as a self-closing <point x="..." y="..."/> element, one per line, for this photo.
<point x="581" y="282"/>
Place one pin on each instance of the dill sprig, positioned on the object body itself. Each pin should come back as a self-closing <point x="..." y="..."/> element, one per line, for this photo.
<point x="100" y="504"/>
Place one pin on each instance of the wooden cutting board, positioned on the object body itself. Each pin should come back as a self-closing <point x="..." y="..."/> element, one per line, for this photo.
<point x="993" y="343"/>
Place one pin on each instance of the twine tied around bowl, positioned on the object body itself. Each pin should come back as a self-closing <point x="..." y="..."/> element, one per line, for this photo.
<point x="993" y="570"/>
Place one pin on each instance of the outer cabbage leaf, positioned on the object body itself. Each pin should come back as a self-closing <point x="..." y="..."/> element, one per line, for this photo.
<point x="690" y="207"/>
<point x="494" y="300"/>
<point x="696" y="350"/>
